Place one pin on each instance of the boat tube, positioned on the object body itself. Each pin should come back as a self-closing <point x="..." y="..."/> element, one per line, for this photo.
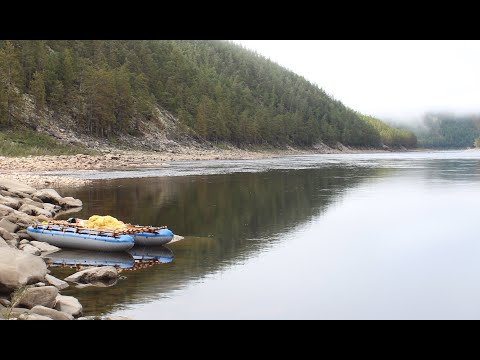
<point x="72" y="238"/>
<point x="158" y="238"/>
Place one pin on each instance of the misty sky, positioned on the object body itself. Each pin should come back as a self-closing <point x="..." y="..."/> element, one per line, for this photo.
<point x="387" y="79"/>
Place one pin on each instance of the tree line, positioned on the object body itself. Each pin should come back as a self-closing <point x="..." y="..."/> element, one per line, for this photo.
<point x="219" y="91"/>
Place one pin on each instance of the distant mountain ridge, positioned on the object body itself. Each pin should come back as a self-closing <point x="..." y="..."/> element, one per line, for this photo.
<point x="199" y="91"/>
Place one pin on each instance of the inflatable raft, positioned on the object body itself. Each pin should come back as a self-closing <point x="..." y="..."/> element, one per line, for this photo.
<point x="74" y="238"/>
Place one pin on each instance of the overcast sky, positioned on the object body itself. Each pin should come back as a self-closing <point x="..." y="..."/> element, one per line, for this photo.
<point x="387" y="79"/>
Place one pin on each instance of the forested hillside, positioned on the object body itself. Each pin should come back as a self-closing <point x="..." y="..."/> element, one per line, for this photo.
<point x="448" y="131"/>
<point x="218" y="91"/>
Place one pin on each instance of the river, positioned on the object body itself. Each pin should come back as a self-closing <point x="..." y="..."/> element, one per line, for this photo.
<point x="360" y="236"/>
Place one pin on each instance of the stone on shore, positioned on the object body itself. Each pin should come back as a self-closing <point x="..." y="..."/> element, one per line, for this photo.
<point x="51" y="313"/>
<point x="15" y="186"/>
<point x="51" y="208"/>
<point x="34" y="211"/>
<point x="5" y="210"/>
<point x="8" y="225"/>
<point x="32" y="203"/>
<point x="49" y="196"/>
<point x="6" y="235"/>
<point x="29" y="249"/>
<point x="97" y="274"/>
<point x="28" y="316"/>
<point x="14" y="313"/>
<point x="113" y="317"/>
<point x="21" y="219"/>
<point x="59" y="284"/>
<point x="10" y="202"/>
<point x="70" y="202"/>
<point x="44" y="247"/>
<point x="3" y="243"/>
<point x="5" y="302"/>
<point x="44" y="296"/>
<point x="23" y="235"/>
<point x="13" y="244"/>
<point x="17" y="269"/>
<point x="69" y="305"/>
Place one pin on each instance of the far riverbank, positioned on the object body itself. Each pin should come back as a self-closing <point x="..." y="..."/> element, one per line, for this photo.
<point x="26" y="169"/>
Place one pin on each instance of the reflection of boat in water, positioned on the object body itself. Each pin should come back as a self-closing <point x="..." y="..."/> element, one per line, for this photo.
<point x="91" y="258"/>
<point x="156" y="253"/>
<point x="70" y="237"/>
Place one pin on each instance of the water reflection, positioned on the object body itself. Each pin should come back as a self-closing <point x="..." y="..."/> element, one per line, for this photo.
<point x="79" y="258"/>
<point x="135" y="258"/>
<point x="226" y="219"/>
<point x="160" y="254"/>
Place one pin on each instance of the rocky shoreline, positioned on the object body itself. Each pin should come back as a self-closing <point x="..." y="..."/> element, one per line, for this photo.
<point x="27" y="291"/>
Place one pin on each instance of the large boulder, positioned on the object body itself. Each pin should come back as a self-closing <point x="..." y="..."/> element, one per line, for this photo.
<point x="51" y="313"/>
<point x="59" y="284"/>
<point x="18" y="268"/>
<point x="10" y="202"/>
<point x="92" y="275"/>
<point x="44" y="296"/>
<point x="70" y="202"/>
<point x="15" y="186"/>
<point x="69" y="305"/>
<point x="8" y="225"/>
<point x="48" y="196"/>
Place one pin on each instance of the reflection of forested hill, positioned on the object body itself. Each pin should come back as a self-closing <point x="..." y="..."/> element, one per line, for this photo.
<point x="226" y="218"/>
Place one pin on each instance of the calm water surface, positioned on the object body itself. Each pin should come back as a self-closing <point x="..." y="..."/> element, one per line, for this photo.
<point x="371" y="236"/>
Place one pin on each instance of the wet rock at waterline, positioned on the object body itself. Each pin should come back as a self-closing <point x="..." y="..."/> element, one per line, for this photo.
<point x="59" y="284"/>
<point x="69" y="305"/>
<point x="93" y="275"/>
<point x="70" y="202"/>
